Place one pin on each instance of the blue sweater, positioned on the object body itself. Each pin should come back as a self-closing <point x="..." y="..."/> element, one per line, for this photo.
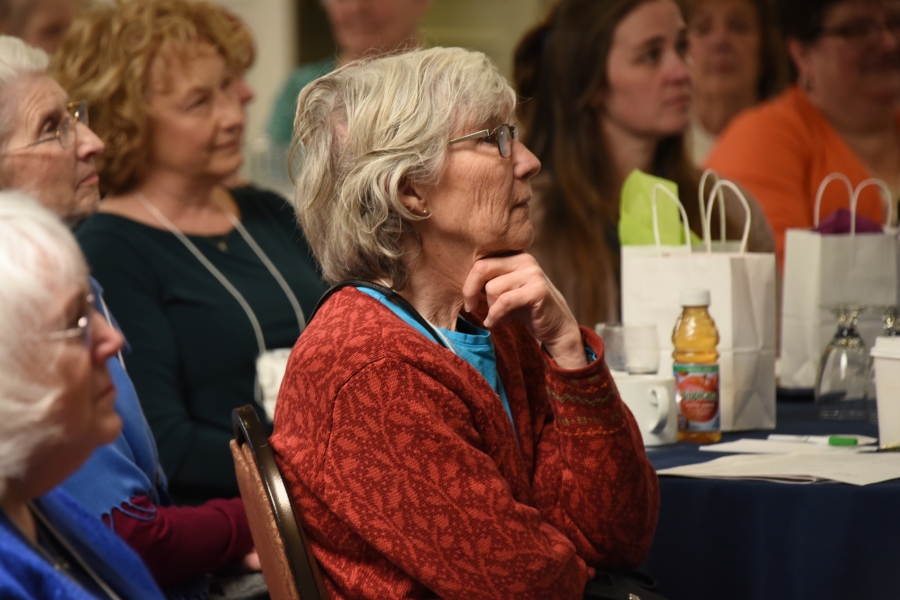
<point x="25" y="574"/>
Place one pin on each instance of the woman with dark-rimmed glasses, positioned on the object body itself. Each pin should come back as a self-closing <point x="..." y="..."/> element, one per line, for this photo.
<point x="841" y="116"/>
<point x="445" y="427"/>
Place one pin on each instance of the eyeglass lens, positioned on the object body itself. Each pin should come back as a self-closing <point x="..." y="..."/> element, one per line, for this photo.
<point x="66" y="132"/>
<point x="505" y="137"/>
<point x="84" y="323"/>
<point x="867" y="31"/>
<point x="82" y="327"/>
<point x="80" y="113"/>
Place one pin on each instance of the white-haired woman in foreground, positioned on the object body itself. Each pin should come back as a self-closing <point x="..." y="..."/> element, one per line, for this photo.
<point x="57" y="404"/>
<point x="445" y="426"/>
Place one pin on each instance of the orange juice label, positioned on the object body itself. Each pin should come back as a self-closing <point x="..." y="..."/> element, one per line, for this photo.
<point x="697" y="395"/>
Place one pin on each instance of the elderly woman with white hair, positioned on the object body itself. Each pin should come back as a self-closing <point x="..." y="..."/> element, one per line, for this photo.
<point x="445" y="427"/>
<point x="57" y="405"/>
<point x="47" y="149"/>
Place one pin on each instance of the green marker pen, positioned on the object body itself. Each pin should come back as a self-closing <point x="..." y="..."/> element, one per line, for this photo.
<point x="829" y="440"/>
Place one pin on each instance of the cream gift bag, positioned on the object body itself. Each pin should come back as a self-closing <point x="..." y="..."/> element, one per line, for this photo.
<point x="742" y="289"/>
<point x="824" y="270"/>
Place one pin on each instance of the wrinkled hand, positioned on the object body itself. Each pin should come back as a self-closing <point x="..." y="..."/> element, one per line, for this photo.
<point x="250" y="562"/>
<point x="515" y="287"/>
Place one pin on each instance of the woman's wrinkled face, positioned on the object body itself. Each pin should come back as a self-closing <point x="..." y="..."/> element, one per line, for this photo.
<point x="858" y="51"/>
<point x="480" y="205"/>
<point x="84" y="413"/>
<point x="196" y="115"/>
<point x="64" y="179"/>
<point x="648" y="85"/>
<point x="726" y="47"/>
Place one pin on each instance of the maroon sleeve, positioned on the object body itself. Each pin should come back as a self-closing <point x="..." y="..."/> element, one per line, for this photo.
<point x="181" y="543"/>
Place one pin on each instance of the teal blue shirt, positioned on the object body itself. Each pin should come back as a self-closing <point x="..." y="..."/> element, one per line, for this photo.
<point x="281" y="122"/>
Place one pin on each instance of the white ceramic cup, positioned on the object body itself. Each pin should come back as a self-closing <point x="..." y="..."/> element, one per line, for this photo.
<point x="651" y="399"/>
<point x="886" y="353"/>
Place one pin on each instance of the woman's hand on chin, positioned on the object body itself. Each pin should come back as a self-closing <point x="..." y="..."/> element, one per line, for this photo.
<point x="515" y="287"/>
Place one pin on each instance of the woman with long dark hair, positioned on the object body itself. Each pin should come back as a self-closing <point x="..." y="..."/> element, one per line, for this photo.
<point x="606" y="90"/>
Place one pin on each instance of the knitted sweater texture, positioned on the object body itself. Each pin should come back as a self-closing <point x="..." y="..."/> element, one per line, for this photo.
<point x="408" y="479"/>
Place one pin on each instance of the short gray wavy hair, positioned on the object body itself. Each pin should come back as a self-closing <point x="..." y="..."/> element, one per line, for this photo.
<point x="16" y="60"/>
<point x="39" y="257"/>
<point x="364" y="130"/>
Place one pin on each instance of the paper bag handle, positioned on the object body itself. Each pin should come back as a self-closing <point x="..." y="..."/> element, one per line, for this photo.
<point x="828" y="179"/>
<point x="721" y="198"/>
<point x="708" y="216"/>
<point x="684" y="220"/>
<point x="855" y="199"/>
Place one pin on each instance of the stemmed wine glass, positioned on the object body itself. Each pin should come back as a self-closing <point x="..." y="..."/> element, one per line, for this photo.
<point x="843" y="370"/>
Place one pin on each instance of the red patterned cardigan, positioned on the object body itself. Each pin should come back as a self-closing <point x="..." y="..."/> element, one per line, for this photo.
<point x="404" y="465"/>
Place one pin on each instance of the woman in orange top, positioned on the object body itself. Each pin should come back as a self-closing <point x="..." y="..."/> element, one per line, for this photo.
<point x="841" y="116"/>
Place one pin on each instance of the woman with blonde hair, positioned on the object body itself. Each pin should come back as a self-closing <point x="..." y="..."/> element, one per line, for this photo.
<point x="206" y="282"/>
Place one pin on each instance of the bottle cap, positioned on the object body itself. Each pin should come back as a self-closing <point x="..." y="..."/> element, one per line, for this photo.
<point x="695" y="297"/>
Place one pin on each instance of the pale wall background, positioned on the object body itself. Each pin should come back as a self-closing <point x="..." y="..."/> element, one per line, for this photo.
<point x="491" y="26"/>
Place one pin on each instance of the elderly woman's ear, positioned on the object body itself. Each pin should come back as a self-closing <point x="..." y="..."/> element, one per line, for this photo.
<point x="413" y="197"/>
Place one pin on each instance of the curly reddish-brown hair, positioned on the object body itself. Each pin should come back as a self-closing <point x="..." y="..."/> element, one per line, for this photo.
<point x="107" y="59"/>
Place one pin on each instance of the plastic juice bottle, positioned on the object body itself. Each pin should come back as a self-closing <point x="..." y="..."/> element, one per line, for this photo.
<point x="696" y="370"/>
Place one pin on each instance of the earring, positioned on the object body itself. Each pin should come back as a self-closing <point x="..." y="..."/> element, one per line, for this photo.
<point x="425" y="212"/>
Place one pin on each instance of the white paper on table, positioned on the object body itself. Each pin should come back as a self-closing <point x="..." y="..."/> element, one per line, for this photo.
<point x="755" y="446"/>
<point x="846" y="467"/>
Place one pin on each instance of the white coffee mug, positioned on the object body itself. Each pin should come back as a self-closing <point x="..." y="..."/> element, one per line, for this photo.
<point x="887" y="383"/>
<point x="651" y="399"/>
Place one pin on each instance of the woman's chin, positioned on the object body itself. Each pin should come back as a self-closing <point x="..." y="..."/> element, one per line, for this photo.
<point x="109" y="429"/>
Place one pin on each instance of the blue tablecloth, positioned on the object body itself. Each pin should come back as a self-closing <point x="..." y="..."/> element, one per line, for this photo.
<point x="735" y="540"/>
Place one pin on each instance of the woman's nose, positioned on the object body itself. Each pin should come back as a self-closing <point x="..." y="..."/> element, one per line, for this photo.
<point x="88" y="142"/>
<point x="232" y="111"/>
<point x="677" y="69"/>
<point x="887" y="39"/>
<point x="719" y="36"/>
<point x="106" y="341"/>
<point x="243" y="90"/>
<point x="527" y="164"/>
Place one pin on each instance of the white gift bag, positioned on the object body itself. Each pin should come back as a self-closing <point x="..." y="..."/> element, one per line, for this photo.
<point x="824" y="270"/>
<point x="742" y="290"/>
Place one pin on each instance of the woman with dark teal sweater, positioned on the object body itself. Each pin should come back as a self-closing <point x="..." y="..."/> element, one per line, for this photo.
<point x="203" y="280"/>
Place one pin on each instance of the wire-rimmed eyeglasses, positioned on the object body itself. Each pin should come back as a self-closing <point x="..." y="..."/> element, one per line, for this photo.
<point x="866" y="32"/>
<point x="65" y="132"/>
<point x="82" y="327"/>
<point x="503" y="135"/>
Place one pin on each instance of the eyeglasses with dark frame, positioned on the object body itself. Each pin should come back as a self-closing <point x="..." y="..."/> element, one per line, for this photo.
<point x="864" y="31"/>
<point x="65" y="132"/>
<point x="503" y="135"/>
<point x="82" y="328"/>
